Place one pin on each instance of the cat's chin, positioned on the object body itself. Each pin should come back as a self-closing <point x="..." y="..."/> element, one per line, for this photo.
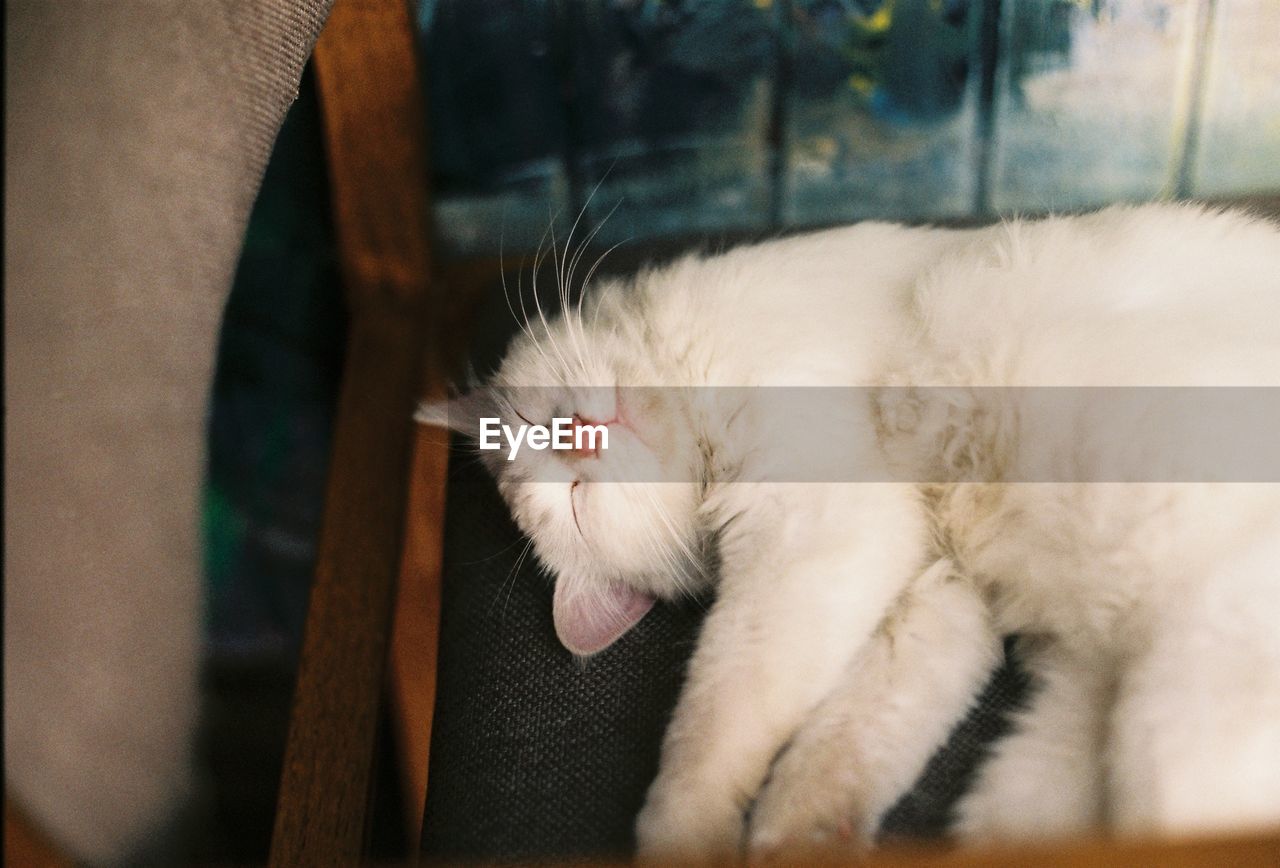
<point x="590" y="619"/>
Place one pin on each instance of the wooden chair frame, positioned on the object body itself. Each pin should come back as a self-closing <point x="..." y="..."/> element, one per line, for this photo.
<point x="375" y="136"/>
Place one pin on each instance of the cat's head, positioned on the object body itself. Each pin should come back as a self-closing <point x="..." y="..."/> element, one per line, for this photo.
<point x="617" y="526"/>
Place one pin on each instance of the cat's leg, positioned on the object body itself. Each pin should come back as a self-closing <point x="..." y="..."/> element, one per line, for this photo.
<point x="1045" y="780"/>
<point x="807" y="574"/>
<point x="869" y="740"/>
<point x="1195" y="744"/>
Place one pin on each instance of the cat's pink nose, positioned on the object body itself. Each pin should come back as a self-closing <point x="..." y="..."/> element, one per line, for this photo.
<point x="588" y="437"/>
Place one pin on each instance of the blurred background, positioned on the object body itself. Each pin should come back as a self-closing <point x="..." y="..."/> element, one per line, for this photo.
<point x="680" y="123"/>
<point x="715" y="116"/>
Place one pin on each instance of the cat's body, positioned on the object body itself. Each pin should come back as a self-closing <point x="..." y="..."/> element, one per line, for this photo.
<point x="854" y="622"/>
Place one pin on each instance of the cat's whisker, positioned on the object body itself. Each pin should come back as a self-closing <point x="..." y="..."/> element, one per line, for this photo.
<point x="502" y="276"/>
<point x="538" y="259"/>
<point x="586" y="281"/>
<point x="583" y="247"/>
<point x="569" y="312"/>
<point x="515" y="574"/>
<point x="498" y="553"/>
<point x="510" y="578"/>
<point x="572" y="312"/>
<point x="664" y="516"/>
<point x="652" y="540"/>
<point x="569" y="241"/>
<point x="523" y="324"/>
<point x="562" y="292"/>
<point x="661" y="554"/>
<point x="527" y="327"/>
<point x="564" y="353"/>
<point x="678" y="571"/>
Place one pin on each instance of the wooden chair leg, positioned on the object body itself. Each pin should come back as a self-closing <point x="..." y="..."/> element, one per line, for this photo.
<point x="372" y="110"/>
<point x="416" y="630"/>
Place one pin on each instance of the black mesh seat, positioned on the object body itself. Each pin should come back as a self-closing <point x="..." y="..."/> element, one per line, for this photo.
<point x="536" y="755"/>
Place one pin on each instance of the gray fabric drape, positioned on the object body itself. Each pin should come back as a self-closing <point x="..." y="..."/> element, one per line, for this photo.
<point x="136" y="136"/>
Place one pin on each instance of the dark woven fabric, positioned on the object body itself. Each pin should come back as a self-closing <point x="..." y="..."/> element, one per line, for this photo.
<point x="926" y="811"/>
<point x="537" y="756"/>
<point x="534" y="754"/>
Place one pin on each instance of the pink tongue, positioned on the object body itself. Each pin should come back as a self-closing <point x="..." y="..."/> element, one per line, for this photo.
<point x="592" y="621"/>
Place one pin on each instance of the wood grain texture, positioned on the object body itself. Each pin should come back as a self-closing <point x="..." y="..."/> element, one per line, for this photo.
<point x="373" y="122"/>
<point x="416" y="630"/>
<point x="1241" y="851"/>
<point x="320" y="815"/>
<point x="373" y="108"/>
<point x="1244" y="851"/>
<point x="1255" y="851"/>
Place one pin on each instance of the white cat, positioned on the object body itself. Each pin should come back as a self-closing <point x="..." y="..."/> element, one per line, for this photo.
<point x="854" y="622"/>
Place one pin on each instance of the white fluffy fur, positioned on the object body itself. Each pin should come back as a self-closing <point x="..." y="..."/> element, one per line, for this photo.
<point x="854" y="622"/>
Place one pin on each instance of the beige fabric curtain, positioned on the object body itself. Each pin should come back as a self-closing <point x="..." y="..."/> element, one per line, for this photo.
<point x="136" y="136"/>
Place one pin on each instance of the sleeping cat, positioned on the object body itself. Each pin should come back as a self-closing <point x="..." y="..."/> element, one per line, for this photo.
<point x="854" y="622"/>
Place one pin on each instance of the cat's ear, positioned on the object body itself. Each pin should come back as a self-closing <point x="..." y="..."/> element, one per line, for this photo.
<point x="433" y="413"/>
<point x="458" y="413"/>
<point x="590" y="617"/>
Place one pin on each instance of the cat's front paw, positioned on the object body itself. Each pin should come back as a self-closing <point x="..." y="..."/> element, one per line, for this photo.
<point x="808" y="804"/>
<point x="684" y="823"/>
